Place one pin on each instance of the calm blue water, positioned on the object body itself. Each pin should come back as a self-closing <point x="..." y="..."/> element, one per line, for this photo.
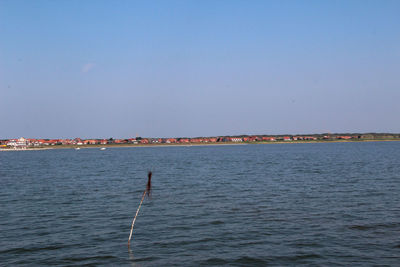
<point x="281" y="204"/>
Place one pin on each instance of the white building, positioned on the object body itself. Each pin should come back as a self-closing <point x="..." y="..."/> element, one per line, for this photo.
<point x="20" y="143"/>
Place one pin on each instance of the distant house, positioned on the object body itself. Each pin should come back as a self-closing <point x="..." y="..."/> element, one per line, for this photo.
<point x="267" y="138"/>
<point x="103" y="142"/>
<point x="91" y="142"/>
<point x="20" y="143"/>
<point x="254" y="138"/>
<point x="310" y="138"/>
<point x="78" y="141"/>
<point x="51" y="142"/>
<point x="120" y="141"/>
<point x="236" y="139"/>
<point x="133" y="141"/>
<point x="170" y="140"/>
<point x="345" y="137"/>
<point x="144" y="141"/>
<point x="155" y="140"/>
<point x="66" y="141"/>
<point x="12" y="142"/>
<point x="287" y="138"/>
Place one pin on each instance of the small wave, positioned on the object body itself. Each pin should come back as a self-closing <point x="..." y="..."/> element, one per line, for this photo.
<point x="366" y="227"/>
<point x="247" y="243"/>
<point x="147" y="259"/>
<point x="217" y="222"/>
<point x="173" y="227"/>
<point x="250" y="261"/>
<point x="360" y="227"/>
<point x="295" y="258"/>
<point x="214" y="261"/>
<point x="256" y="261"/>
<point x="186" y="242"/>
<point x="307" y="256"/>
<point x="32" y="249"/>
<point x="304" y="244"/>
<point x="79" y="259"/>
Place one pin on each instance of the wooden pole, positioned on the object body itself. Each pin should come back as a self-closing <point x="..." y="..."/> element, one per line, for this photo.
<point x="134" y="219"/>
<point x="146" y="191"/>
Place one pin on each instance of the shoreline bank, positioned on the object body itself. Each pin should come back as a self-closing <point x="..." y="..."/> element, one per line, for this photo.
<point x="191" y="144"/>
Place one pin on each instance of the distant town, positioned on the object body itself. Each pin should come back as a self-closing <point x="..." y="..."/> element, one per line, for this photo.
<point x="24" y="143"/>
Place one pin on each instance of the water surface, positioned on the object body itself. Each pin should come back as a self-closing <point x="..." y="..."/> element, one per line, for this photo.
<point x="243" y="205"/>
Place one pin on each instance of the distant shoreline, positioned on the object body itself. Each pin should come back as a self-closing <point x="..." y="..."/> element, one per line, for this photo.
<point x="191" y="144"/>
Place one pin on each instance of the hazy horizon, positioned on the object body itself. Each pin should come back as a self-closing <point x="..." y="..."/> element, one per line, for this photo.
<point x="101" y="69"/>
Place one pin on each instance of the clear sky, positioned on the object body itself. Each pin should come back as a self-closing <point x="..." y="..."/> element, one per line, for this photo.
<point x="198" y="68"/>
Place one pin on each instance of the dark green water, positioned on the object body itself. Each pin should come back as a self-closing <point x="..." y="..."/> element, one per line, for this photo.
<point x="252" y="205"/>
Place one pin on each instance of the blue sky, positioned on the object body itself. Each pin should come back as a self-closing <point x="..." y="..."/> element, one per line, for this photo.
<point x="198" y="68"/>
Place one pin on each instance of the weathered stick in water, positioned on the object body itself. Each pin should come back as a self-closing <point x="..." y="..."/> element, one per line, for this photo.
<point x="146" y="191"/>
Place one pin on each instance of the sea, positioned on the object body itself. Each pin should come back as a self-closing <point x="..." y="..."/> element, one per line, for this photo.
<point x="316" y="204"/>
